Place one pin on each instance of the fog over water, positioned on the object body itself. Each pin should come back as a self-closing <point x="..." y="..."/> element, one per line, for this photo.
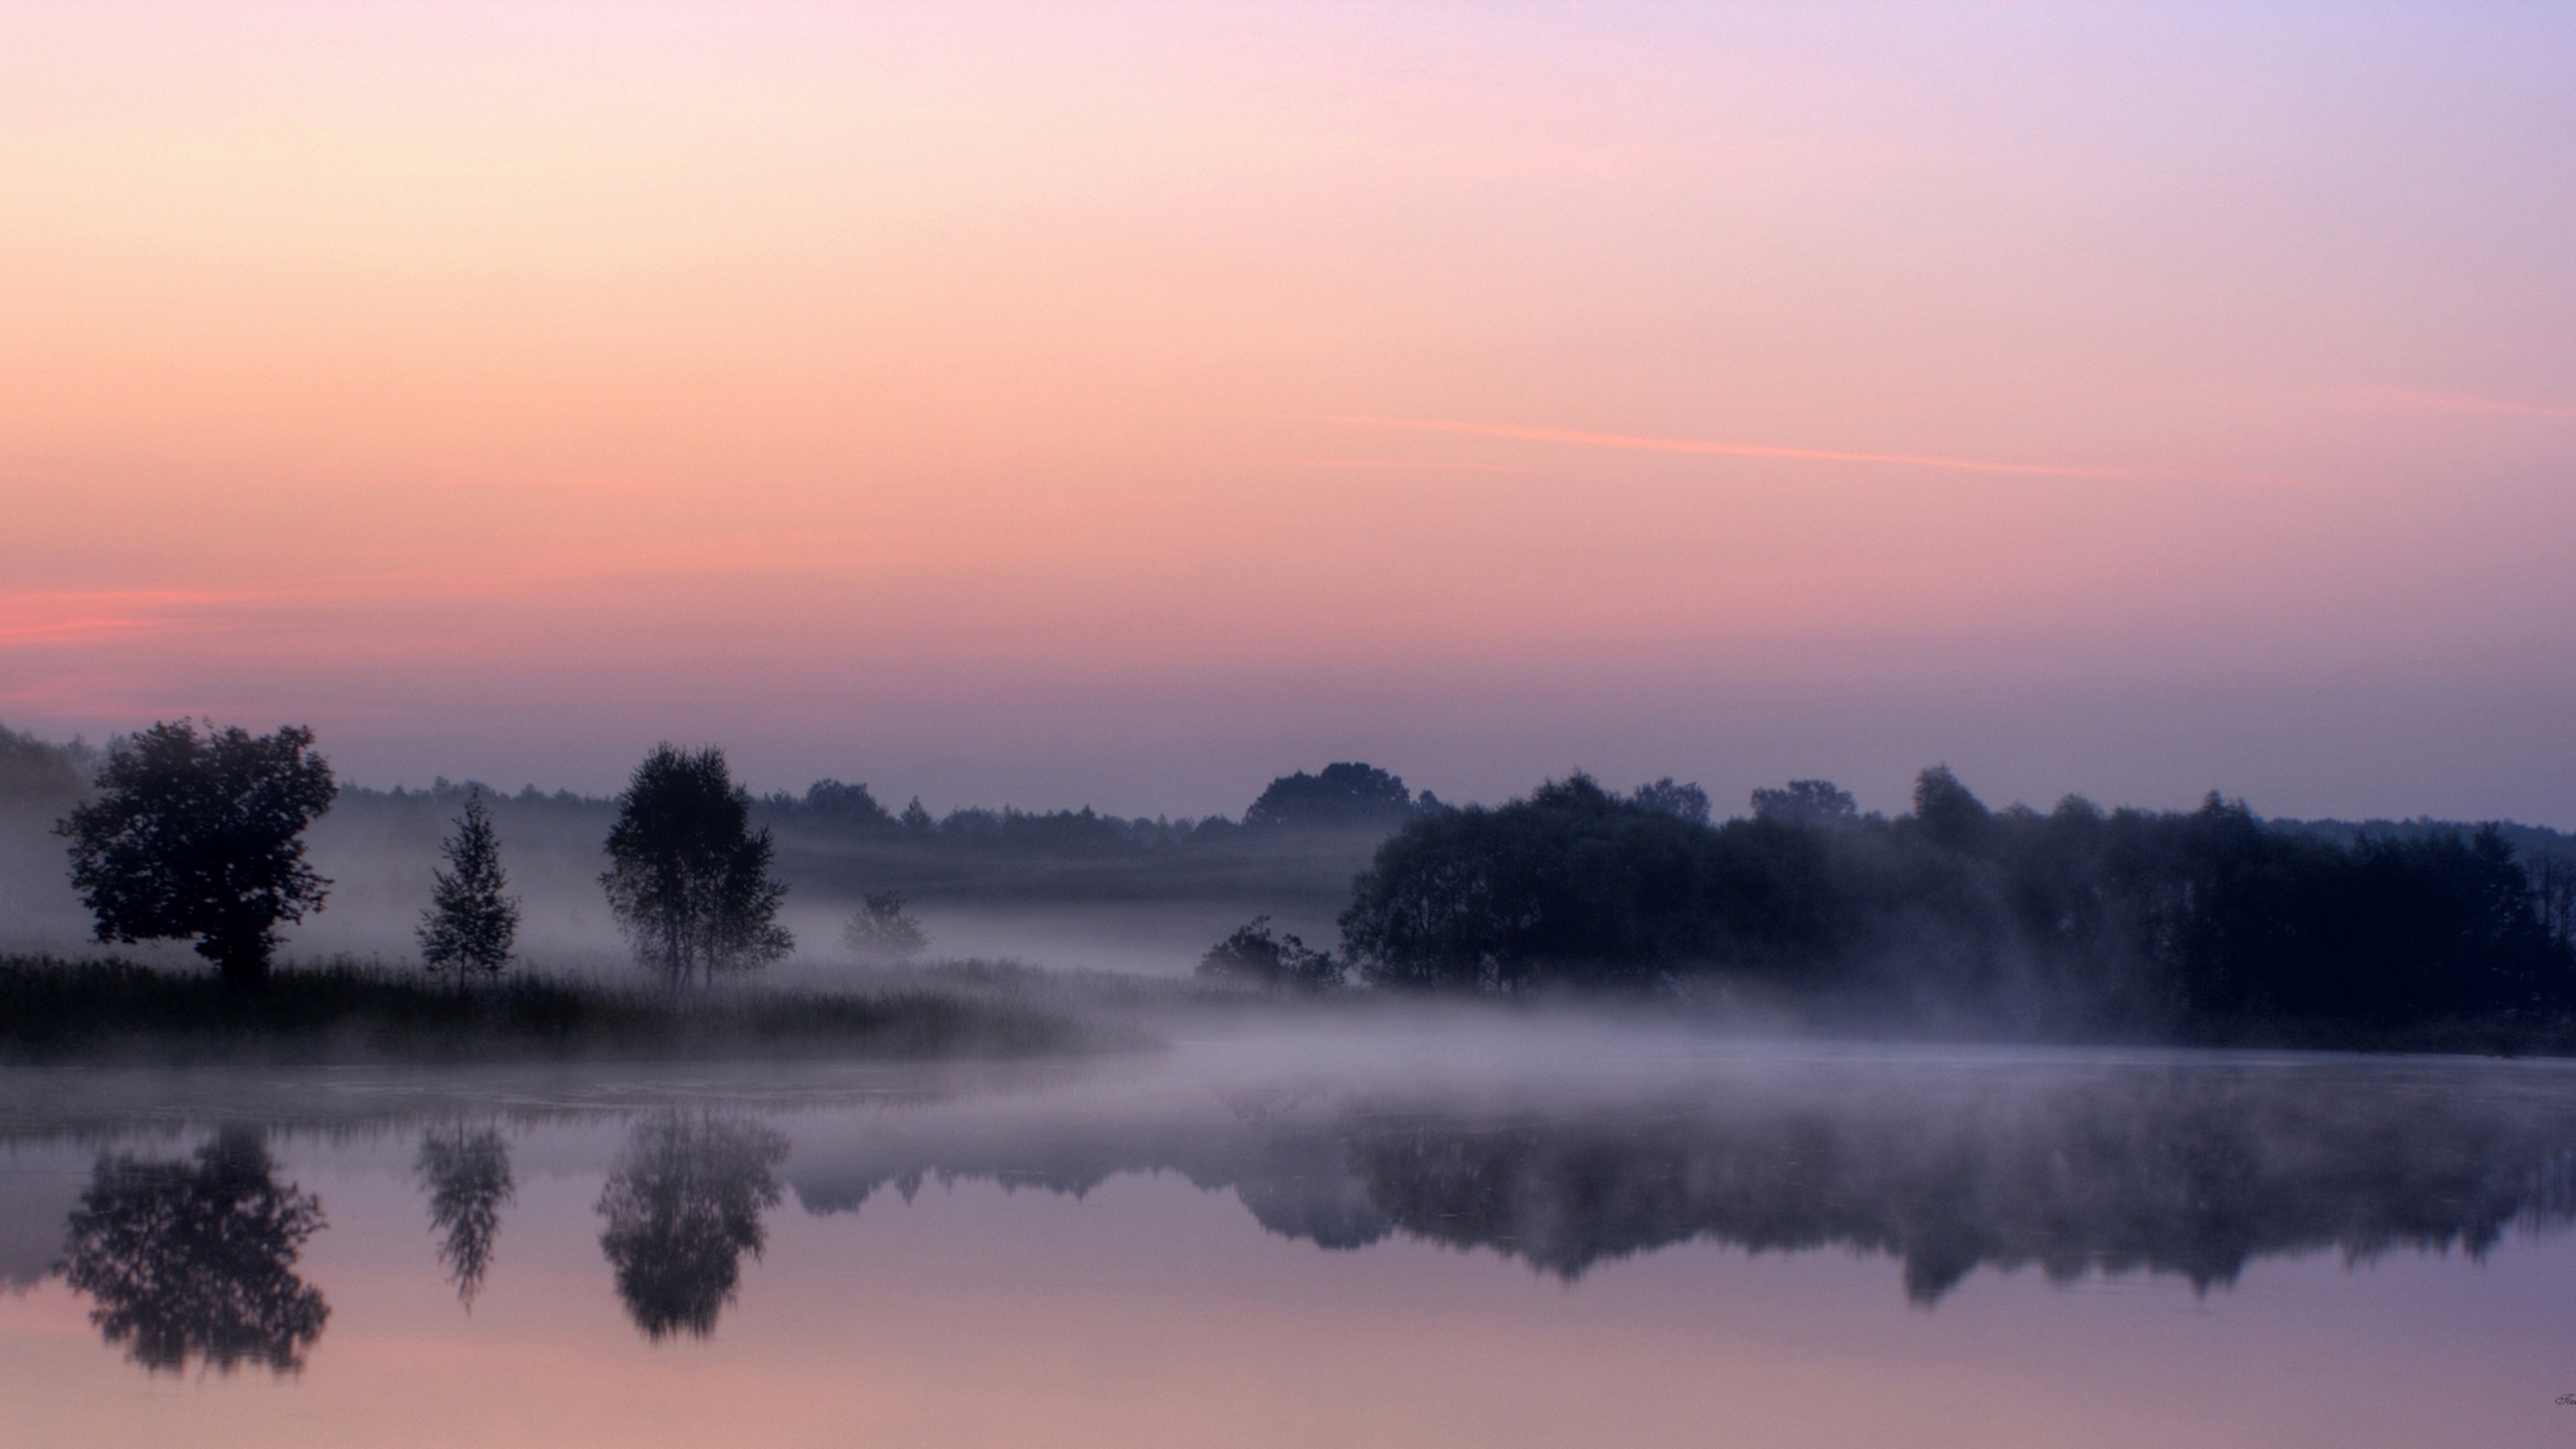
<point x="2329" y="1249"/>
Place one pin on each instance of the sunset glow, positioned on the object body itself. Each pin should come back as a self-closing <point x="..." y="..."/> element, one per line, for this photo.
<point x="1123" y="405"/>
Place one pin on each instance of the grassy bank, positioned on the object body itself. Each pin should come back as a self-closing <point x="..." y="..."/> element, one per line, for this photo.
<point x="91" y="1010"/>
<point x="54" y="1010"/>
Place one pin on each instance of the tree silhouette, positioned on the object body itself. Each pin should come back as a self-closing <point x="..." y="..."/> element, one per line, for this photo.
<point x="201" y="835"/>
<point x="1575" y="885"/>
<point x="197" y="1260"/>
<point x="1255" y="955"/>
<point x="1668" y="796"/>
<point x="470" y="925"/>
<point x="683" y="1204"/>
<point x="35" y="773"/>
<point x="1347" y="794"/>
<point x="1948" y="812"/>
<point x="843" y="807"/>
<point x="689" y="879"/>
<point x="467" y="1172"/>
<point x="2553" y="889"/>
<point x="1807" y="802"/>
<point x="2212" y="924"/>
<point x="883" y="930"/>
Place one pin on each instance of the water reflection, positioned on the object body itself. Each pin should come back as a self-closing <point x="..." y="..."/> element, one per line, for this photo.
<point x="2193" y="1170"/>
<point x="2191" y="1179"/>
<point x="2187" y="1172"/>
<point x="466" y="1171"/>
<point x="1457" y="1192"/>
<point x="196" y="1259"/>
<point x="683" y="1204"/>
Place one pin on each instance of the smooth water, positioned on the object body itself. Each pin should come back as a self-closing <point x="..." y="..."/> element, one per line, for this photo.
<point x="1401" y="1237"/>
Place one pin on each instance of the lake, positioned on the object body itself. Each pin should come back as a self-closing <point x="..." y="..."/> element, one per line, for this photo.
<point x="1392" y="1234"/>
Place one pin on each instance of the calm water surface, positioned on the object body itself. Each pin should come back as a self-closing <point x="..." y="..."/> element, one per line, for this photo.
<point x="1529" y="1238"/>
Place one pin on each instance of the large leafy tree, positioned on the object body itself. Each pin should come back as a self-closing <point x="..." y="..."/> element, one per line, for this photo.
<point x="688" y="877"/>
<point x="201" y="835"/>
<point x="470" y="925"/>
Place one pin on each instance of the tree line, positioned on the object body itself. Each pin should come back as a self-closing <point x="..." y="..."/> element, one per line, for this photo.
<point x="2203" y="920"/>
<point x="2210" y="921"/>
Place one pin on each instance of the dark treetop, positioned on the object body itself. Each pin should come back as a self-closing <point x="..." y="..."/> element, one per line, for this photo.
<point x="201" y="835"/>
<point x="689" y="877"/>
<point x="470" y="925"/>
<point x="1347" y="794"/>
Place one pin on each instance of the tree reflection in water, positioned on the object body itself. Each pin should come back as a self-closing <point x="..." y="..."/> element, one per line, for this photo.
<point x="196" y="1260"/>
<point x="2188" y="1173"/>
<point x="683" y="1204"/>
<point x="2191" y="1170"/>
<point x="467" y="1173"/>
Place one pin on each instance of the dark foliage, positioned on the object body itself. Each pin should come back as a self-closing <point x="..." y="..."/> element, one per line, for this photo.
<point x="1806" y="802"/>
<point x="1255" y="956"/>
<point x="1575" y="885"/>
<point x="2553" y="886"/>
<point x="882" y="930"/>
<point x="196" y="1261"/>
<point x="689" y="878"/>
<point x="683" y="1204"/>
<point x="2208" y="922"/>
<point x="200" y="836"/>
<point x="35" y="773"/>
<point x="467" y="1173"/>
<point x="834" y="806"/>
<point x="1347" y="796"/>
<point x="1681" y="801"/>
<point x="1947" y="814"/>
<point x="470" y="925"/>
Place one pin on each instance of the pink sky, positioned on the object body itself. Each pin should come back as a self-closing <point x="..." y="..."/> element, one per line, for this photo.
<point x="1116" y="404"/>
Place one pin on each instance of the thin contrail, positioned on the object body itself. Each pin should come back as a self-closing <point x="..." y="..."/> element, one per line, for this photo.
<point x="1636" y="443"/>
<point x="2423" y="400"/>
<point x="1395" y="465"/>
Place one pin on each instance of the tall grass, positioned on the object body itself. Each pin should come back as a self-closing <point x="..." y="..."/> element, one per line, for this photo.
<point x="56" y="1009"/>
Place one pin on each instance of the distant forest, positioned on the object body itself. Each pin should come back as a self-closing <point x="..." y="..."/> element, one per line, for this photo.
<point x="1299" y="840"/>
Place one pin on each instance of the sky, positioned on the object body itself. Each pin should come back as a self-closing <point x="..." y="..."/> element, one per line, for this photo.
<point x="1089" y="403"/>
